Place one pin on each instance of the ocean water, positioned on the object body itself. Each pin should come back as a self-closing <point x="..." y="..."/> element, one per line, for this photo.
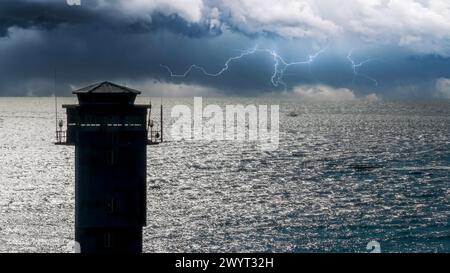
<point x="345" y="174"/>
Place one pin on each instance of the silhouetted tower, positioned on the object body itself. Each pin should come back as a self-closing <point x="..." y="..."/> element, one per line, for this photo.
<point x="110" y="136"/>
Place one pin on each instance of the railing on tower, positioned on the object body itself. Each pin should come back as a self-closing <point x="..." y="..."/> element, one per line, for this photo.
<point x="154" y="129"/>
<point x="61" y="135"/>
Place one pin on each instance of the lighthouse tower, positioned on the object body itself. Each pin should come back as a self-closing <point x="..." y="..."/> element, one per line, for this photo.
<point x="110" y="136"/>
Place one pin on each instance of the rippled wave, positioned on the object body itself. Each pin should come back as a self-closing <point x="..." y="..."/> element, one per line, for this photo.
<point x="345" y="174"/>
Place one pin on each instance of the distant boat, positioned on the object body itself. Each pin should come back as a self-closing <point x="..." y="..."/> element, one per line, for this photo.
<point x="293" y="114"/>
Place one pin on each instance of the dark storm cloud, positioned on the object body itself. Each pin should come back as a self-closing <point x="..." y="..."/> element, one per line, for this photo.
<point x="81" y="56"/>
<point x="39" y="14"/>
<point x="50" y="14"/>
<point x="94" y="42"/>
<point x="86" y="44"/>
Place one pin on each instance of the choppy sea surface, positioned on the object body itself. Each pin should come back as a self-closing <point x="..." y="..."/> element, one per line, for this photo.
<point x="345" y="174"/>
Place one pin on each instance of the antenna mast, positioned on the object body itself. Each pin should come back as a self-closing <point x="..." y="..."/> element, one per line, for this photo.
<point x="56" y="102"/>
<point x="162" y="124"/>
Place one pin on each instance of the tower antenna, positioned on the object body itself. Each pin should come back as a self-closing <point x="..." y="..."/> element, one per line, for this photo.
<point x="150" y="122"/>
<point x="56" y="103"/>
<point x="162" y="124"/>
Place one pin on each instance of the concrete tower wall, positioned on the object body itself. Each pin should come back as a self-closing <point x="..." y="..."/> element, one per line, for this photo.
<point x="110" y="136"/>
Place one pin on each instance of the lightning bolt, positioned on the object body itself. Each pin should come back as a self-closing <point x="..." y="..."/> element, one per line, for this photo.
<point x="203" y="70"/>
<point x="281" y="65"/>
<point x="355" y="67"/>
<point x="279" y="68"/>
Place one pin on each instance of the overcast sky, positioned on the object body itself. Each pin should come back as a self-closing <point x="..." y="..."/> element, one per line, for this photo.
<point x="389" y="49"/>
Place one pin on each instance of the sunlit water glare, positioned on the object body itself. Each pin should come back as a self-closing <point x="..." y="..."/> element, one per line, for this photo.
<point x="345" y="174"/>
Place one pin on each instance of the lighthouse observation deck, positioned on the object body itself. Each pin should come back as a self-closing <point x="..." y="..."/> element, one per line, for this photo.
<point x="106" y="107"/>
